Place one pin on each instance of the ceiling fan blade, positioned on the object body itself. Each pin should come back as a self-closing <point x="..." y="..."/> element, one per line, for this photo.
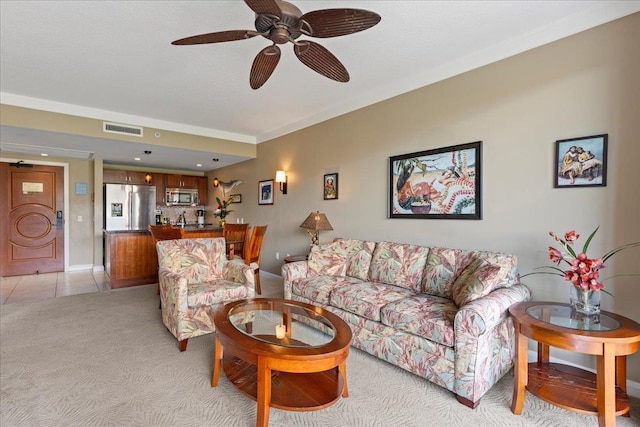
<point x="320" y="60"/>
<point x="263" y="65"/>
<point x="268" y="7"/>
<point x="219" y="37"/>
<point x="339" y="22"/>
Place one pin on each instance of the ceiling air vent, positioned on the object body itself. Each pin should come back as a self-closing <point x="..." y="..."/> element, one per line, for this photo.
<point x="121" y="129"/>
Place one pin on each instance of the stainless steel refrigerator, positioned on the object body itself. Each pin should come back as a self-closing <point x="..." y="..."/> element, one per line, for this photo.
<point x="129" y="207"/>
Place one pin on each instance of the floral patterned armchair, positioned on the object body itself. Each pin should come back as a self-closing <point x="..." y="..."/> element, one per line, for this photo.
<point x="195" y="278"/>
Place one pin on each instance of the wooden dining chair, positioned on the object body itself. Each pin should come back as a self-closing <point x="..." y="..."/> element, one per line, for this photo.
<point x="236" y="235"/>
<point x="253" y="250"/>
<point x="164" y="232"/>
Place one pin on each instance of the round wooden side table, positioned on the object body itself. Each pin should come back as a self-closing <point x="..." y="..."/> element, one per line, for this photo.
<point x="608" y="336"/>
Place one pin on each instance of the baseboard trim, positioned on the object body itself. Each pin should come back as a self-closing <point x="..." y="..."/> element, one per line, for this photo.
<point x="98" y="268"/>
<point x="633" y="387"/>
<point x="80" y="267"/>
<point x="270" y="275"/>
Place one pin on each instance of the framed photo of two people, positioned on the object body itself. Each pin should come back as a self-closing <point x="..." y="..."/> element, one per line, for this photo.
<point x="581" y="162"/>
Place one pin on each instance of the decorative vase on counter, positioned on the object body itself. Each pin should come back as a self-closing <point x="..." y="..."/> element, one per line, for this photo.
<point x="584" y="301"/>
<point x="222" y="221"/>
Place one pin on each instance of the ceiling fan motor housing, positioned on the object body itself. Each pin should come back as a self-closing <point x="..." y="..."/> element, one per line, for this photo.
<point x="281" y="30"/>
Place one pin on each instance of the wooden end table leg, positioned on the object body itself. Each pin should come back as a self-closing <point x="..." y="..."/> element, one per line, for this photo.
<point x="621" y="377"/>
<point x="264" y="393"/>
<point x="343" y="371"/>
<point x="606" y="386"/>
<point x="543" y="353"/>
<point x="521" y="373"/>
<point x="217" y="363"/>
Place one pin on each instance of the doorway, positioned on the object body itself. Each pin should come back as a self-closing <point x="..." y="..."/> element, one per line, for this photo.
<point x="32" y="238"/>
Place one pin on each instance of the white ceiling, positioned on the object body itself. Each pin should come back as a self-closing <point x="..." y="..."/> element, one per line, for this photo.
<point x="113" y="60"/>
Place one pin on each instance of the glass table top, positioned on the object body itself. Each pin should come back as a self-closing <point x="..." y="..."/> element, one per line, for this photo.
<point x="566" y="317"/>
<point x="267" y="321"/>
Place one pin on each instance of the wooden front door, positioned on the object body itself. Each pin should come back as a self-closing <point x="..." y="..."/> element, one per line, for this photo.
<point x="32" y="232"/>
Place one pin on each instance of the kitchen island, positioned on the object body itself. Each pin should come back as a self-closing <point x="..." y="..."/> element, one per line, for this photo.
<point x="130" y="257"/>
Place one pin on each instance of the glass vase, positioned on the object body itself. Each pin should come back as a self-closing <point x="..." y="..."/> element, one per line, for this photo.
<point x="222" y="221"/>
<point x="584" y="301"/>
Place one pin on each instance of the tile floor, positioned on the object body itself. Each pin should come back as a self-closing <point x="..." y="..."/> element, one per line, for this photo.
<point x="50" y="285"/>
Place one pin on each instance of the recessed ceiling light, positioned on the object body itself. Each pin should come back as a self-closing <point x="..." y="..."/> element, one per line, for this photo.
<point x="44" y="154"/>
<point x="136" y="159"/>
<point x="199" y="165"/>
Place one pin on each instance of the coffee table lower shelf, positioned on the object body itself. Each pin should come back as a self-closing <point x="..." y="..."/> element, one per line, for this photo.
<point x="570" y="388"/>
<point x="289" y="391"/>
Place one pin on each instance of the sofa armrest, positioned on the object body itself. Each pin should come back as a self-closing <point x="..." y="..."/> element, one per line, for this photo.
<point x="173" y="290"/>
<point x="483" y="314"/>
<point x="240" y="273"/>
<point x="291" y="272"/>
<point x="484" y="345"/>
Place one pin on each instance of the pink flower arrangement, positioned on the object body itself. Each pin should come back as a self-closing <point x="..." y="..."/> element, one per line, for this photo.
<point x="584" y="272"/>
<point x="223" y="208"/>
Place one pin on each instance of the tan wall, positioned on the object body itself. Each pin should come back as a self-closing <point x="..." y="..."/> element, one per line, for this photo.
<point x="583" y="85"/>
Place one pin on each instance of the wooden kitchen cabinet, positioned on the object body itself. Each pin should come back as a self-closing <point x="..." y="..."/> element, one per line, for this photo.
<point x="130" y="258"/>
<point x="159" y="182"/>
<point x="203" y="190"/>
<point x="181" y="181"/>
<point x="113" y="176"/>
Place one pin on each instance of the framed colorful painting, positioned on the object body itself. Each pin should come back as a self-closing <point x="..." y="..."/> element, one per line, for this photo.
<point x="443" y="183"/>
<point x="330" y="186"/>
<point x="581" y="162"/>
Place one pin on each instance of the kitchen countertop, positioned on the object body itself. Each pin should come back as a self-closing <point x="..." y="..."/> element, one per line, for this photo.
<point x="124" y="231"/>
<point x="187" y="228"/>
<point x="196" y="227"/>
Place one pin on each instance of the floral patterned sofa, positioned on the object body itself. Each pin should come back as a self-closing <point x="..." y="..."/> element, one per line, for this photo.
<point x="439" y="313"/>
<point x="195" y="277"/>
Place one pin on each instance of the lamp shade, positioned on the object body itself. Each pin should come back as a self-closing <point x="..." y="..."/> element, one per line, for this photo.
<point x="281" y="176"/>
<point x="317" y="221"/>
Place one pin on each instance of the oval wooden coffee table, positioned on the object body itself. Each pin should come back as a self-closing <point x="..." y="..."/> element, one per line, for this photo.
<point x="301" y="369"/>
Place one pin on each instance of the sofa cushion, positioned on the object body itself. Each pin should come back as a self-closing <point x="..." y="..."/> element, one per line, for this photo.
<point x="508" y="267"/>
<point x="359" y="254"/>
<point x="427" y="316"/>
<point x="443" y="266"/>
<point x="399" y="264"/>
<point x="329" y="260"/>
<point x="318" y="288"/>
<point x="481" y="277"/>
<point x="366" y="299"/>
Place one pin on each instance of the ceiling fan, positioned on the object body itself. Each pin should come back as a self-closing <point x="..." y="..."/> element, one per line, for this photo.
<point x="281" y="22"/>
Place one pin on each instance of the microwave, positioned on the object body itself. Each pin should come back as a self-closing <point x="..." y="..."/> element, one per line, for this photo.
<point x="181" y="197"/>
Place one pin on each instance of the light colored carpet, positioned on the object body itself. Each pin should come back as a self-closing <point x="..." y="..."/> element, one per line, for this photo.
<point x="105" y="359"/>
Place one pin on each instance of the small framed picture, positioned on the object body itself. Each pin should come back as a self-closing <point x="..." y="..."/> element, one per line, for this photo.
<point x="330" y="186"/>
<point x="581" y="162"/>
<point x="265" y="192"/>
<point x="235" y="198"/>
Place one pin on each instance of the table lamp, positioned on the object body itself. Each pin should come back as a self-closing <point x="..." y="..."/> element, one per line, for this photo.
<point x="316" y="222"/>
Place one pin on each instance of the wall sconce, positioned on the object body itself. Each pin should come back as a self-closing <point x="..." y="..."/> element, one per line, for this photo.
<point x="281" y="177"/>
<point x="216" y="182"/>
